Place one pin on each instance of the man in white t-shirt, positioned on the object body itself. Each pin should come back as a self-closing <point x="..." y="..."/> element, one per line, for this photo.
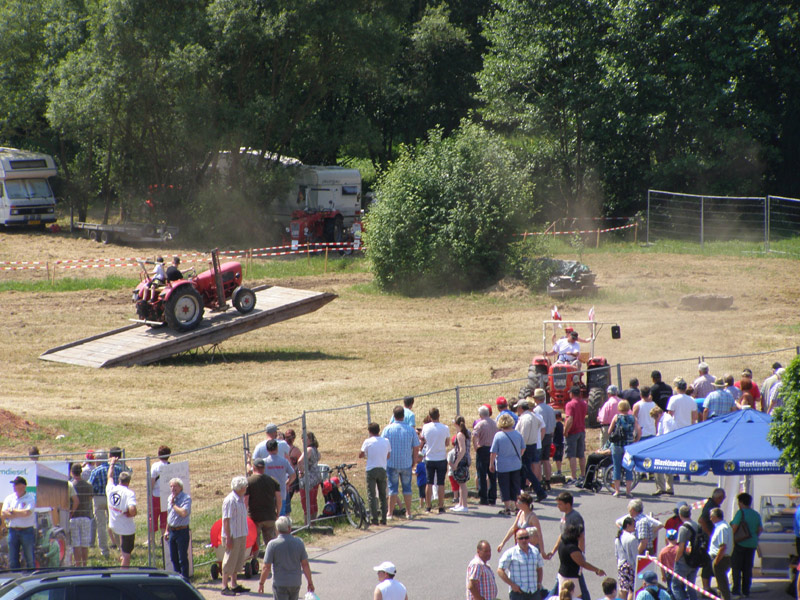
<point x="376" y="450"/>
<point x="436" y="437"/>
<point x="683" y="408"/>
<point x="121" y="511"/>
<point x="388" y="587"/>
<point x="567" y="349"/>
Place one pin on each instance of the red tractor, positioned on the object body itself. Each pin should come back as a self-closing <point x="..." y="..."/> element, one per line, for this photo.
<point x="324" y="226"/>
<point x="558" y="378"/>
<point x="180" y="304"/>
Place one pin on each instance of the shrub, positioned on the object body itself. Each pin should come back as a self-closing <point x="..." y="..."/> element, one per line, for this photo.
<point x="446" y="212"/>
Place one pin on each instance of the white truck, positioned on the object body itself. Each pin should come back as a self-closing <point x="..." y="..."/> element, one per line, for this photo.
<point x="26" y="198"/>
<point x="322" y="189"/>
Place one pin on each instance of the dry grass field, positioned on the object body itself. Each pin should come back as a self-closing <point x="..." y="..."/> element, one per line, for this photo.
<point x="364" y="346"/>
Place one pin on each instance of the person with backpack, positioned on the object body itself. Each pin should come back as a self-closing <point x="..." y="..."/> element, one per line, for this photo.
<point x="746" y="520"/>
<point x="692" y="553"/>
<point x="651" y="589"/>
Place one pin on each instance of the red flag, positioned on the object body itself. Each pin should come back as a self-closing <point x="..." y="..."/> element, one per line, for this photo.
<point x="554" y="314"/>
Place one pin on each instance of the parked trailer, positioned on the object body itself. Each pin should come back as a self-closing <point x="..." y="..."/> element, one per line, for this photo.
<point x="26" y="198"/>
<point x="127" y="232"/>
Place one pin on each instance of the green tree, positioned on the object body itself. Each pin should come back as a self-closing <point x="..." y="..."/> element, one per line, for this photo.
<point x="785" y="431"/>
<point x="446" y="212"/>
<point x="541" y="80"/>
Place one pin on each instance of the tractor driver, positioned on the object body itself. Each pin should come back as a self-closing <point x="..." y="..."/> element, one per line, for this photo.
<point x="567" y="349"/>
<point x="173" y="272"/>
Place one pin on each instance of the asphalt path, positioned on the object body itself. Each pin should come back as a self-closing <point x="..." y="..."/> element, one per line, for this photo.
<point x="432" y="551"/>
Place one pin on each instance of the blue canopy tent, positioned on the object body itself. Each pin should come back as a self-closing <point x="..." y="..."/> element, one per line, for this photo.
<point x="733" y="444"/>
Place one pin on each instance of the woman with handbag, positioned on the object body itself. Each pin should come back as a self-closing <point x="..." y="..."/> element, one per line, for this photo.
<point x="505" y="458"/>
<point x="526" y="519"/>
<point x="460" y="464"/>
<point x="623" y="430"/>
<point x="746" y="526"/>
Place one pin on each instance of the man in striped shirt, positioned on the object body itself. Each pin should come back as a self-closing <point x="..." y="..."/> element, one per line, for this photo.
<point x="481" y="584"/>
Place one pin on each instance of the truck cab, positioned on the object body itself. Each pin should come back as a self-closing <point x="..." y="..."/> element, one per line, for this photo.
<point x="26" y="198"/>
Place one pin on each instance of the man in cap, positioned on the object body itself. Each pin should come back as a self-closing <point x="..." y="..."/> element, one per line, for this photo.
<point x="704" y="384"/>
<point x="483" y="433"/>
<point x="718" y="402"/>
<point x="20" y="518"/>
<point x="481" y="584"/>
<point x="667" y="556"/>
<point x="567" y="349"/>
<point x="651" y="590"/>
<point x="548" y="416"/>
<point x="502" y="408"/>
<point x="286" y="555"/>
<point x="271" y="432"/>
<point x="279" y="468"/>
<point x="263" y="499"/>
<point x="771" y="380"/>
<point x="388" y="587"/>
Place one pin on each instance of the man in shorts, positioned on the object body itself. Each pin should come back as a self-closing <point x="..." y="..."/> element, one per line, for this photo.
<point x="575" y="433"/>
<point x="121" y="511"/>
<point x="402" y="441"/>
<point x="80" y="516"/>
<point x="234" y="536"/>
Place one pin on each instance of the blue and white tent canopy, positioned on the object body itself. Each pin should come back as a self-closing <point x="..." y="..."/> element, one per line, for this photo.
<point x="733" y="444"/>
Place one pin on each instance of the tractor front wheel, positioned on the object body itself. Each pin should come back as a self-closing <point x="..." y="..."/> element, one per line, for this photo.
<point x="184" y="309"/>
<point x="244" y="299"/>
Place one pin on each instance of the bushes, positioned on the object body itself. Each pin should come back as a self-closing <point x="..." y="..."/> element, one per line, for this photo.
<point x="446" y="212"/>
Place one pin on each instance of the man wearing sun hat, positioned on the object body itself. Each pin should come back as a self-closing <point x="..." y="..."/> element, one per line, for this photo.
<point x="20" y="518"/>
<point x="718" y="402"/>
<point x="651" y="590"/>
<point x="388" y="587"/>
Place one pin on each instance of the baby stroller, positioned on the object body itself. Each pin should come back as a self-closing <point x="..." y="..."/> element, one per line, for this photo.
<point x="250" y="565"/>
<point x="598" y="465"/>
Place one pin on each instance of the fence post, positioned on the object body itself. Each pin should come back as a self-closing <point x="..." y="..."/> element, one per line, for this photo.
<point x="597" y="245"/>
<point x="369" y="415"/>
<point x="619" y="376"/>
<point x="306" y="491"/>
<point x="647" y="231"/>
<point x="458" y="400"/>
<point x="702" y="222"/>
<point x="245" y="449"/>
<point x="150" y="515"/>
<point x="767" y="204"/>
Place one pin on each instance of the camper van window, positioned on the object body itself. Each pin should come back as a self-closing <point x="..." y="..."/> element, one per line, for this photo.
<point x="38" y="188"/>
<point x="349" y="190"/>
<point x="16" y="190"/>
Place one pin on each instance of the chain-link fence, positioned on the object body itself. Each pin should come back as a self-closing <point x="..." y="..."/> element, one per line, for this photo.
<point x="340" y="432"/>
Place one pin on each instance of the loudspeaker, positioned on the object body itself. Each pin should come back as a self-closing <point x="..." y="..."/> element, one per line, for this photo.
<point x="615" y="332"/>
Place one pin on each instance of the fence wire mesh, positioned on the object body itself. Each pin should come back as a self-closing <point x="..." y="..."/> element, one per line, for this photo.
<point x="340" y="433"/>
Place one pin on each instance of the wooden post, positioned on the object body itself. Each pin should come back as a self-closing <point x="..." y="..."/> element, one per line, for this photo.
<point x="308" y="253"/>
<point x="53" y="280"/>
<point x="636" y="232"/>
<point x="598" y="238"/>
<point x="47" y="266"/>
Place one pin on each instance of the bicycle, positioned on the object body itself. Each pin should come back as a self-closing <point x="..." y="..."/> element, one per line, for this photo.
<point x="353" y="505"/>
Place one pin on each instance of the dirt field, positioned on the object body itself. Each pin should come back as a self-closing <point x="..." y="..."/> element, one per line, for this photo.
<point x="361" y="347"/>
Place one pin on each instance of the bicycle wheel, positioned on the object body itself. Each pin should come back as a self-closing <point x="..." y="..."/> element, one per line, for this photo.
<point x="354" y="509"/>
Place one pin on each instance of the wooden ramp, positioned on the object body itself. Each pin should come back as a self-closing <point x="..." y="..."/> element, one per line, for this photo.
<point x="138" y="344"/>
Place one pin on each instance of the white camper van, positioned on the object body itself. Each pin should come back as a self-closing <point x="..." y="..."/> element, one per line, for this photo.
<point x="323" y="188"/>
<point x="25" y="194"/>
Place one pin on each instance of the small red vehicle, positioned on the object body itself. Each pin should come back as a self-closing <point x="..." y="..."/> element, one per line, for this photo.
<point x="180" y="304"/>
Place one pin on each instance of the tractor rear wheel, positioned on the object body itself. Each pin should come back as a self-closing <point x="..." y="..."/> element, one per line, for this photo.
<point x="244" y="299"/>
<point x="597" y="396"/>
<point x="184" y="309"/>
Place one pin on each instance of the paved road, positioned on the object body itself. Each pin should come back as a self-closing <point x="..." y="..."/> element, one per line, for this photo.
<point x="431" y="552"/>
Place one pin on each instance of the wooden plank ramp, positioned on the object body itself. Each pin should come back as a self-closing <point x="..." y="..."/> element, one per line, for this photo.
<point x="138" y="344"/>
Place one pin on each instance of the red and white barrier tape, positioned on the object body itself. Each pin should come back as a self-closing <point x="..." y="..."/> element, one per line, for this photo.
<point x="694" y="506"/>
<point x="527" y="233"/>
<point x="679" y="578"/>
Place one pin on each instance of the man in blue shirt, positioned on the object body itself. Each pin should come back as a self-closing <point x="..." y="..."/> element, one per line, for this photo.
<point x="179" y="507"/>
<point x="521" y="568"/>
<point x="403" y="441"/>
